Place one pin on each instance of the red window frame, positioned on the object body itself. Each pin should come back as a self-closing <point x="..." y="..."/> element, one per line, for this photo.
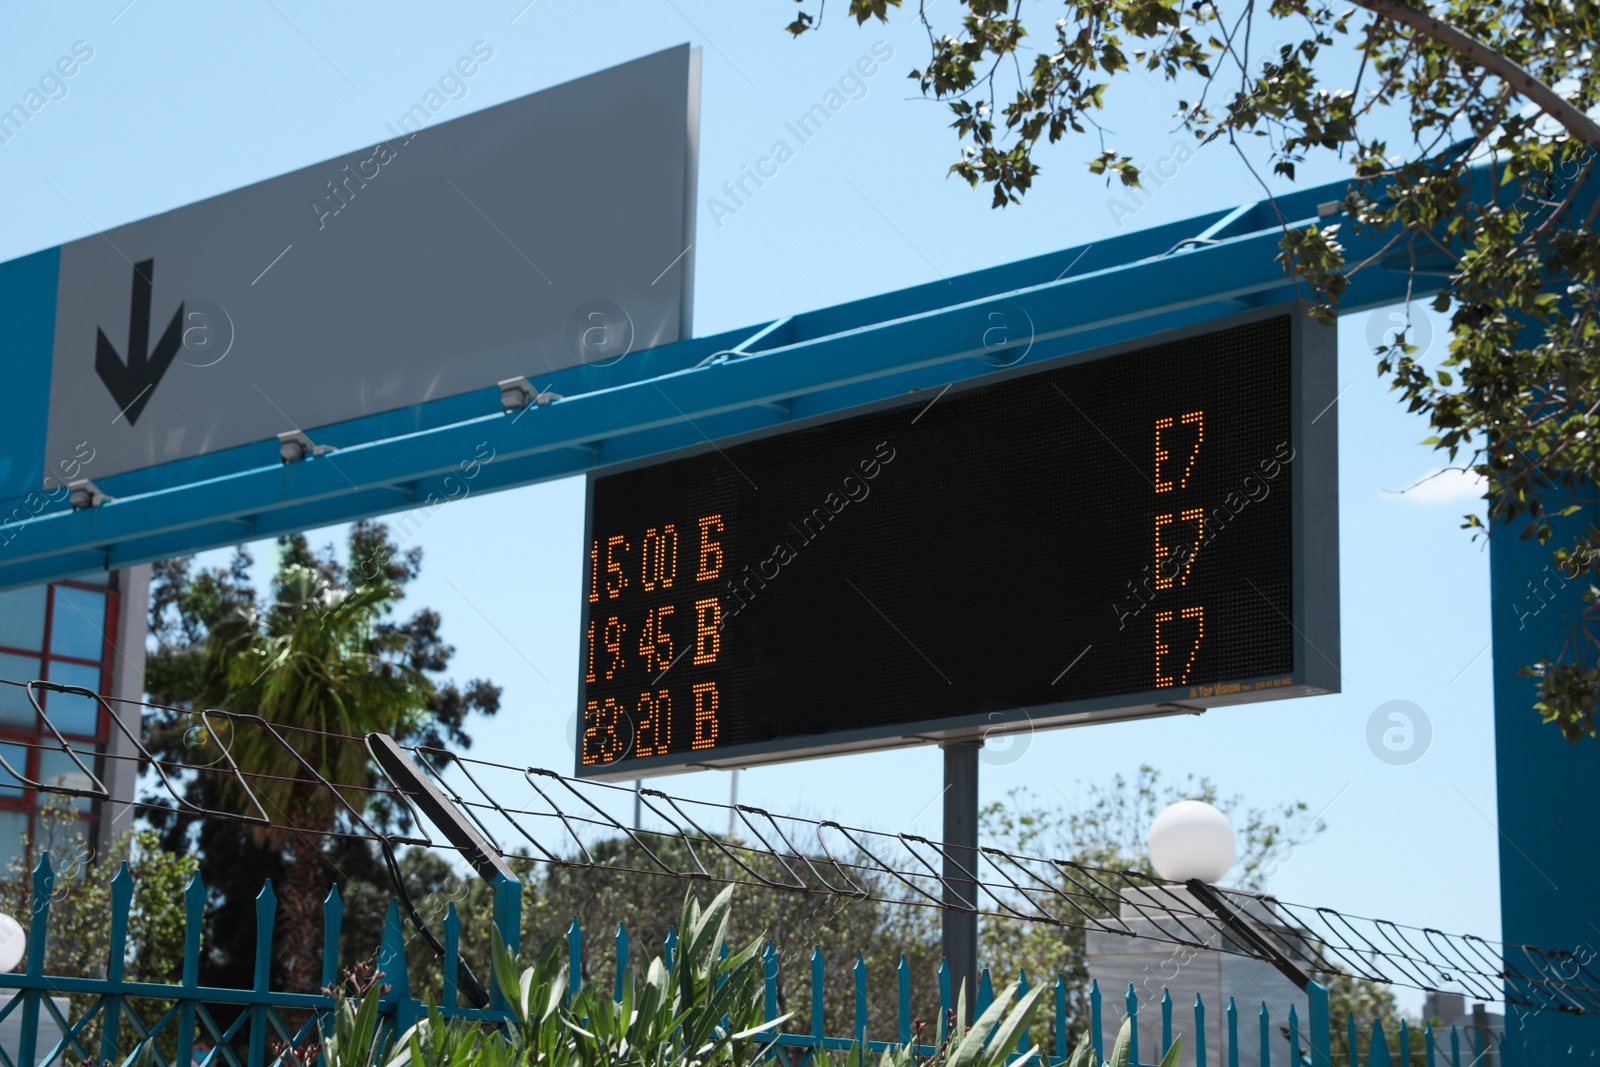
<point x="28" y="800"/>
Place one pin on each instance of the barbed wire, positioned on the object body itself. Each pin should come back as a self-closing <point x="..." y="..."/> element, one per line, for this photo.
<point x="530" y="815"/>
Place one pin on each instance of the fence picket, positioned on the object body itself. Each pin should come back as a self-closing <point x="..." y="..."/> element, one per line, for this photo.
<point x="1320" y="1038"/>
<point x="1094" y="1022"/>
<point x="622" y="959"/>
<point x="194" y="917"/>
<point x="1378" y="1047"/>
<point x="44" y="883"/>
<point x="392" y="962"/>
<point x="332" y="924"/>
<point x="816" y="996"/>
<point x="1061" y="1016"/>
<point x="574" y="959"/>
<point x="1199" y="1032"/>
<point x="1266" y="1037"/>
<point x="1166" y="1020"/>
<point x="1233" y="1034"/>
<point x="266" y="913"/>
<point x="121" y="902"/>
<point x="1427" y="1044"/>
<point x="508" y="926"/>
<point x="452" y="956"/>
<point x="946" y="1005"/>
<point x="1023" y="1045"/>
<point x="1133" y="1024"/>
<point x="903" y="973"/>
<point x="861" y="1003"/>
<point x="769" y="980"/>
<point x="1294" y="1038"/>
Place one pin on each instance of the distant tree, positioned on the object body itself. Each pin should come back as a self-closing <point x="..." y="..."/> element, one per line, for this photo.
<point x="319" y="658"/>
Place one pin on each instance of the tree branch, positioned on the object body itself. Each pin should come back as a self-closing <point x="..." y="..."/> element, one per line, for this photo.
<point x="1578" y="124"/>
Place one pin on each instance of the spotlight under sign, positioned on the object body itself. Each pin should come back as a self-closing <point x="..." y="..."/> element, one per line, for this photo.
<point x="1144" y="530"/>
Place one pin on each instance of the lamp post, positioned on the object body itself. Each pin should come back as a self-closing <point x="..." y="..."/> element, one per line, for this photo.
<point x="1244" y="949"/>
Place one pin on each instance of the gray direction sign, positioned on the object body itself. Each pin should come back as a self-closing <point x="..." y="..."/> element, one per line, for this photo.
<point x="528" y="237"/>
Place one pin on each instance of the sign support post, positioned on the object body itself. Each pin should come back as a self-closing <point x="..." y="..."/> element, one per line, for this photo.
<point x="960" y="915"/>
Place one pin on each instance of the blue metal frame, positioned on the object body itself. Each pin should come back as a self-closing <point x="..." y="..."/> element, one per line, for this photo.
<point x="663" y="399"/>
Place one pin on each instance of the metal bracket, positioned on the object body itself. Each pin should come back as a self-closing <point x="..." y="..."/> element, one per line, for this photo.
<point x="1246" y="931"/>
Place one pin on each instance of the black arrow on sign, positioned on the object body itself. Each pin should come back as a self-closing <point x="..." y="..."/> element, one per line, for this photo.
<point x="131" y="383"/>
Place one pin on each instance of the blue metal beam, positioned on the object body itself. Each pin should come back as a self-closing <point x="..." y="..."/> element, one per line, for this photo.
<point x="807" y="366"/>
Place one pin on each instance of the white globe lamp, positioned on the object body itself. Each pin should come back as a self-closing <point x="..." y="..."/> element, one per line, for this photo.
<point x="1191" y="839"/>
<point x="13" y="943"/>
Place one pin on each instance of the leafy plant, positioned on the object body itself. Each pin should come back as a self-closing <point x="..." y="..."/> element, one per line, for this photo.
<point x="706" y="1009"/>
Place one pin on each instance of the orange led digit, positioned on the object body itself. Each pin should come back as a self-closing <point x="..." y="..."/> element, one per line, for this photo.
<point x="655" y="719"/>
<point x="1198" y="419"/>
<point x="655" y="644"/>
<point x="663" y="722"/>
<point x="588" y="675"/>
<point x="602" y="730"/>
<point x="1196" y="516"/>
<point x="647" y="640"/>
<point x="1162" y="680"/>
<point x="1198" y="614"/>
<point x="659" y="558"/>
<point x="707" y="631"/>
<point x="613" y="642"/>
<point x="1162" y="580"/>
<point x="614" y="589"/>
<point x="705" y="715"/>
<point x="594" y="572"/>
<point x="663" y="639"/>
<point x="709" y="548"/>
<point x="1161" y="454"/>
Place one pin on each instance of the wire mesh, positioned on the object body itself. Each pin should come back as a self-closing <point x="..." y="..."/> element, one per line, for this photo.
<point x="531" y="815"/>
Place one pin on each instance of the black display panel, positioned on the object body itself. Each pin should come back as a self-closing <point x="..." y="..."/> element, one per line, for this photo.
<point x="1113" y="536"/>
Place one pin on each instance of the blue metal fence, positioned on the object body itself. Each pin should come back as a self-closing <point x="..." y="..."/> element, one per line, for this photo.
<point x="182" y="1016"/>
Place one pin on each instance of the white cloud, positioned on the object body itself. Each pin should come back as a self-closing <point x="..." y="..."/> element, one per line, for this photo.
<point x="1448" y="486"/>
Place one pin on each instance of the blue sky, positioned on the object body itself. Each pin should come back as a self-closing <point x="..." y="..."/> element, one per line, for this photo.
<point x="183" y="100"/>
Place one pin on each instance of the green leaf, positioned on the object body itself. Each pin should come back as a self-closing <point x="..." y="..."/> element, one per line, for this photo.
<point x="1119" y="1051"/>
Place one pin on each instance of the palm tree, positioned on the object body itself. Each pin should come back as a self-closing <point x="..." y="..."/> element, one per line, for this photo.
<point x="319" y="665"/>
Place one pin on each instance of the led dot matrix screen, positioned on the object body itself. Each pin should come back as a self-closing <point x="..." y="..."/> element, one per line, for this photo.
<point x="1148" y="530"/>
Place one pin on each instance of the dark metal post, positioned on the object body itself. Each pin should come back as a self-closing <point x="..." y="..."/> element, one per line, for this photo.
<point x="960" y="866"/>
